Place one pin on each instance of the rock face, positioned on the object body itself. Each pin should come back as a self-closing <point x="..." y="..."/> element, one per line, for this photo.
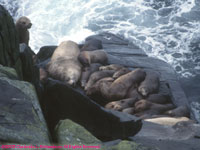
<point x="21" y="120"/>
<point x="9" y="44"/>
<point x="61" y="101"/>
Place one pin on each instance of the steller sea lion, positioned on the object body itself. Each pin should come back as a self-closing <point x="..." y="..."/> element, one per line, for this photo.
<point x="88" y="57"/>
<point x="97" y="76"/>
<point x="151" y="108"/>
<point x="95" y="89"/>
<point x="121" y="104"/>
<point x="22" y="26"/>
<point x="120" y="72"/>
<point x="64" y="64"/>
<point x="150" y="84"/>
<point x="111" y="67"/>
<point x="92" y="44"/>
<point x="181" y="111"/>
<point x="129" y="110"/>
<point x="119" y="88"/>
<point x="87" y="71"/>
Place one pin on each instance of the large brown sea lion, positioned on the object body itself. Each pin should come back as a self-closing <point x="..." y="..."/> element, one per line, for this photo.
<point x="22" y="26"/>
<point x="111" y="67"/>
<point x="181" y="111"/>
<point x="121" y="104"/>
<point x="92" y="44"/>
<point x="150" y="84"/>
<point x="87" y="71"/>
<point x="88" y="57"/>
<point x="119" y="88"/>
<point x="144" y="108"/>
<point x="64" y="64"/>
<point x="97" y="76"/>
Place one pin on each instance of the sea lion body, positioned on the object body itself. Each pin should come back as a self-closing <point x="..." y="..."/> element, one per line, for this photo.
<point x="97" y="76"/>
<point x="181" y="111"/>
<point x="111" y="67"/>
<point x="156" y="109"/>
<point x="121" y="104"/>
<point x="88" y="57"/>
<point x="22" y="26"/>
<point x="119" y="88"/>
<point x="150" y="84"/>
<point x="120" y="72"/>
<point x="64" y="64"/>
<point x="87" y="71"/>
<point x="92" y="44"/>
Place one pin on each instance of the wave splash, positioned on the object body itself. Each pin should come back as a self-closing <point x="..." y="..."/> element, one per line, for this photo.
<point x="166" y="29"/>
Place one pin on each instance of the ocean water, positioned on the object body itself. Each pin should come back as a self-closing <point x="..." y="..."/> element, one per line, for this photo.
<point x="165" y="29"/>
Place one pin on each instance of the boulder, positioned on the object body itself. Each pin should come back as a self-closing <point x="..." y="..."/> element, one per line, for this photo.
<point x="22" y="121"/>
<point x="61" y="101"/>
<point x="9" y="43"/>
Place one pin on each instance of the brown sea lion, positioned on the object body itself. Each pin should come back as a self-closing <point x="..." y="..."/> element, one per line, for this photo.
<point x="87" y="71"/>
<point x="111" y="67"/>
<point x="43" y="75"/>
<point x="121" y="104"/>
<point x="119" y="88"/>
<point x="133" y="92"/>
<point x="100" y="85"/>
<point x="88" y="57"/>
<point x="151" y="108"/>
<point x="150" y="84"/>
<point x="97" y="76"/>
<point x="22" y="26"/>
<point x="129" y="110"/>
<point x="92" y="44"/>
<point x="64" y="64"/>
<point x="121" y="72"/>
<point x="181" y="111"/>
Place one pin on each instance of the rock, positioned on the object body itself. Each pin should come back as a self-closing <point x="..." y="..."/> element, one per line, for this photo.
<point x="128" y="145"/>
<point x="9" y="43"/>
<point x="45" y="53"/>
<point x="70" y="133"/>
<point x="22" y="121"/>
<point x="183" y="135"/>
<point x="61" y="101"/>
<point x="29" y="69"/>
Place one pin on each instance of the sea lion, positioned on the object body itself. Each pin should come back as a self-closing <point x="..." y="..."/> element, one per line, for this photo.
<point x="111" y="67"/>
<point x="97" y="76"/>
<point x="100" y="85"/>
<point x="120" y="72"/>
<point x="121" y="104"/>
<point x="119" y="88"/>
<point x="88" y="57"/>
<point x="181" y="111"/>
<point x="133" y="92"/>
<point x="64" y="64"/>
<point x="22" y="26"/>
<point x="150" y="84"/>
<point x="43" y="74"/>
<point x="129" y="110"/>
<point x="151" y="108"/>
<point x="87" y="71"/>
<point x="92" y="44"/>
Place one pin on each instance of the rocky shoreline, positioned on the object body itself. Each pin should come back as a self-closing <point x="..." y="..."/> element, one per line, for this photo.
<point x="41" y="115"/>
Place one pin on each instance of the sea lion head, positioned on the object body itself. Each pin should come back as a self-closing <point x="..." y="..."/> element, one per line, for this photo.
<point x="73" y="76"/>
<point x="24" y="22"/>
<point x="84" y="58"/>
<point x="144" y="91"/>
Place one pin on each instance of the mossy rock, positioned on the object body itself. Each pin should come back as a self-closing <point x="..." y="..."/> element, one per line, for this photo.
<point x="69" y="132"/>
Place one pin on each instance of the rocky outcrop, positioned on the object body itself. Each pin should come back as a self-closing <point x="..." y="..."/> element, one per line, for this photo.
<point x="61" y="101"/>
<point x="22" y="121"/>
<point x="9" y="44"/>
